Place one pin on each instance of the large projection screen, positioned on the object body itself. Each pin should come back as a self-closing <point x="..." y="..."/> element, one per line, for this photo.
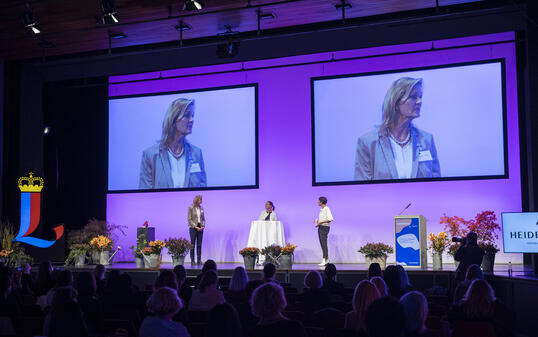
<point x="453" y="116"/>
<point x="216" y="135"/>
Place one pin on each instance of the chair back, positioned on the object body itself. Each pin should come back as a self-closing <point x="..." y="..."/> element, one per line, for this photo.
<point x="474" y="329"/>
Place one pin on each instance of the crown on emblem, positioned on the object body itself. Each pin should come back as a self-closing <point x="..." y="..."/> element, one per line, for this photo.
<point x="31" y="184"/>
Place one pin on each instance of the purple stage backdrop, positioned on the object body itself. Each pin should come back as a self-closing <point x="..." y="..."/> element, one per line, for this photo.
<point x="362" y="212"/>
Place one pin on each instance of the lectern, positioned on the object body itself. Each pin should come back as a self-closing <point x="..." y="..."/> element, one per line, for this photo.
<point x="410" y="237"/>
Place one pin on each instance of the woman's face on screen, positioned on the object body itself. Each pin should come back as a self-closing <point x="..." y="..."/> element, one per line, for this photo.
<point x="410" y="107"/>
<point x="184" y="123"/>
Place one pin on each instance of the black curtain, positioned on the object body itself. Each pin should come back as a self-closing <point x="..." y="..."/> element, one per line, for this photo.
<point x="75" y="151"/>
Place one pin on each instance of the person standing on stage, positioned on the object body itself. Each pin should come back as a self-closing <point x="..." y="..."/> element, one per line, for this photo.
<point x="196" y="218"/>
<point x="269" y="213"/>
<point x="323" y="224"/>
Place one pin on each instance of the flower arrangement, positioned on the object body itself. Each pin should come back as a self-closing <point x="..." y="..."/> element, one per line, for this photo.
<point x="147" y="251"/>
<point x="376" y="249"/>
<point x="272" y="253"/>
<point x="11" y="252"/>
<point x="76" y="250"/>
<point x="141" y="242"/>
<point x="101" y="243"/>
<point x="249" y="251"/>
<point x="288" y="249"/>
<point x="95" y="228"/>
<point x="155" y="247"/>
<point x="439" y="242"/>
<point x="178" y="247"/>
<point x="484" y="225"/>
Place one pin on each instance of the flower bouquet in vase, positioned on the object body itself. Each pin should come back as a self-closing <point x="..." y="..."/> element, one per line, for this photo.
<point x="438" y="243"/>
<point x="376" y="252"/>
<point x="152" y="254"/>
<point x="101" y="244"/>
<point x="250" y="256"/>
<point x="286" y="256"/>
<point x="272" y="253"/>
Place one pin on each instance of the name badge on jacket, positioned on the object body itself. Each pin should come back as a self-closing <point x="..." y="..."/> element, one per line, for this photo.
<point x="424" y="156"/>
<point x="195" y="168"/>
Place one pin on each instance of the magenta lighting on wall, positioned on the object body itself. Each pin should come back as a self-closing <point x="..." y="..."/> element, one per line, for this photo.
<point x="31" y="212"/>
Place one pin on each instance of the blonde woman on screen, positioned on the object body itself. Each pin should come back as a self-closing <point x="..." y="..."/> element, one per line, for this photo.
<point x="397" y="149"/>
<point x="174" y="162"/>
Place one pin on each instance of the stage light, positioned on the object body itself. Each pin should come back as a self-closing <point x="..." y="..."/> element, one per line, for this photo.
<point x="30" y="23"/>
<point x="117" y="36"/>
<point x="267" y="16"/>
<point x="47" y="130"/>
<point x="183" y="27"/>
<point x="227" y="50"/>
<point x="193" y="5"/>
<point x="110" y="15"/>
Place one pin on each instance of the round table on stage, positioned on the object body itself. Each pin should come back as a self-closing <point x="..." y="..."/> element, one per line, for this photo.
<point x="265" y="233"/>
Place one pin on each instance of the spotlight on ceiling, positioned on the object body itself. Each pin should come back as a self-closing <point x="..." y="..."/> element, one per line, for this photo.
<point x="193" y="5"/>
<point x="47" y="130"/>
<point x="110" y="15"/>
<point x="183" y="27"/>
<point x="30" y="23"/>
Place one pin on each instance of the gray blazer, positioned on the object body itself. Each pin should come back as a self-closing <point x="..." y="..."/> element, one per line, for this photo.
<point x="192" y="217"/>
<point x="155" y="168"/>
<point x="374" y="159"/>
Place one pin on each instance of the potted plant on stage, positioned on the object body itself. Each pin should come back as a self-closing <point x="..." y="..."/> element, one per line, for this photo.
<point x="286" y="256"/>
<point x="103" y="245"/>
<point x="250" y="256"/>
<point x="376" y="252"/>
<point x="77" y="254"/>
<point x="12" y="254"/>
<point x="152" y="254"/>
<point x="486" y="227"/>
<point x="92" y="229"/>
<point x="438" y="244"/>
<point x="455" y="227"/>
<point x="272" y="253"/>
<point x="178" y="248"/>
<point x="141" y="243"/>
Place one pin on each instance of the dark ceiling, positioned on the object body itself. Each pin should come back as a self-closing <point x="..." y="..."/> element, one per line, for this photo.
<point x="73" y="26"/>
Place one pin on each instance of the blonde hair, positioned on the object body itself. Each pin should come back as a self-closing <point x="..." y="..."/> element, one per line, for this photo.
<point x="176" y="110"/>
<point x="365" y="294"/>
<point x="399" y="91"/>
<point x="196" y="199"/>
<point x="268" y="299"/>
<point x="164" y="301"/>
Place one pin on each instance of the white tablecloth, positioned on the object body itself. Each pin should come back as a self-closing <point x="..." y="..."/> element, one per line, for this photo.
<point x="265" y="233"/>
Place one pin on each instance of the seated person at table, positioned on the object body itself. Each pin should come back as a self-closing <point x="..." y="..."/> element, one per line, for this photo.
<point x="269" y="213"/>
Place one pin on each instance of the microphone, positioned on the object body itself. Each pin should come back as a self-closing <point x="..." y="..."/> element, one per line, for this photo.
<point x="406" y="207"/>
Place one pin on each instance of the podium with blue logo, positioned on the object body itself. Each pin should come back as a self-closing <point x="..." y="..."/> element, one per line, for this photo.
<point x="410" y="241"/>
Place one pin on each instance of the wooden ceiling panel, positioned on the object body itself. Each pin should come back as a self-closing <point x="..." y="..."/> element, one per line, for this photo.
<point x="72" y="26"/>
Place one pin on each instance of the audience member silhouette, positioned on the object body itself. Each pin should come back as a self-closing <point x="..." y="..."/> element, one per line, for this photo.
<point x="223" y="321"/>
<point x="385" y="317"/>
<point x="480" y="304"/>
<point x="206" y="296"/>
<point x="65" y="317"/>
<point x="89" y="303"/>
<point x="473" y="273"/>
<point x="237" y="289"/>
<point x="380" y="285"/>
<point x="365" y="294"/>
<point x="269" y="272"/>
<point x="374" y="270"/>
<point x="416" y="312"/>
<point x="163" y="305"/>
<point x="330" y="284"/>
<point x="267" y="304"/>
